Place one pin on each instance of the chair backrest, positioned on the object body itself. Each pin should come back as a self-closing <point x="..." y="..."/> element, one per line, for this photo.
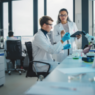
<point x="30" y="72"/>
<point x="14" y="49"/>
<point x="29" y="50"/>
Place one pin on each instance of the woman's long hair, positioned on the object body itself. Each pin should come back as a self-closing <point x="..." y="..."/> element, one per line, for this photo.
<point x="58" y="20"/>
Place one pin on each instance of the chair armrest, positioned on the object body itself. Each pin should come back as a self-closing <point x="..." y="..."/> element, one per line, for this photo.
<point x="43" y="63"/>
<point x="5" y="53"/>
<point x="5" y="50"/>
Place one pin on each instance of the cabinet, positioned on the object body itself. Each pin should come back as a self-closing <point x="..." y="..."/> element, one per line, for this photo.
<point x="2" y="69"/>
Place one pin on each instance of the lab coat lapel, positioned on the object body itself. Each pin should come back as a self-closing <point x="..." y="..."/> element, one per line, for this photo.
<point x="60" y="26"/>
<point x="41" y="33"/>
<point x="45" y="37"/>
<point x="70" y="25"/>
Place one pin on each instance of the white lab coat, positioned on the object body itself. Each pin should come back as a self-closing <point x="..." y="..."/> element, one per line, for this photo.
<point x="43" y="50"/>
<point x="56" y="37"/>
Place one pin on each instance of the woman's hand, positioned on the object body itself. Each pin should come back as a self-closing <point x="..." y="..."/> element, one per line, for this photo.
<point x="78" y="36"/>
<point x="62" y="33"/>
<point x="66" y="37"/>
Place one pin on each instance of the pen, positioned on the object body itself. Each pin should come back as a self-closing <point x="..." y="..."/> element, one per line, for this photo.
<point x="65" y="88"/>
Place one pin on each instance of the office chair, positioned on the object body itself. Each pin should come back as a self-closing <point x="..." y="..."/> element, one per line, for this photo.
<point x="30" y="71"/>
<point x="13" y="53"/>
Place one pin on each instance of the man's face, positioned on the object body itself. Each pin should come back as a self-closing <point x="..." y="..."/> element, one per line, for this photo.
<point x="48" y="26"/>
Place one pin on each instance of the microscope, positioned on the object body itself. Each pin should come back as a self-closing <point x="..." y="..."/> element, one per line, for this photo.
<point x="89" y="56"/>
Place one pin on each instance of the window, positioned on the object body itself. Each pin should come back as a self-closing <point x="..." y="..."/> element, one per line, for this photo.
<point x="40" y="10"/>
<point x="5" y="20"/>
<point x="22" y="17"/>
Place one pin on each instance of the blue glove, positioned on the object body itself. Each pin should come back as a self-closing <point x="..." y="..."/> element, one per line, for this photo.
<point x="66" y="37"/>
<point x="67" y="46"/>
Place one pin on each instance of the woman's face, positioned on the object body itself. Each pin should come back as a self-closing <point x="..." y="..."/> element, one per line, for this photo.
<point x="63" y="16"/>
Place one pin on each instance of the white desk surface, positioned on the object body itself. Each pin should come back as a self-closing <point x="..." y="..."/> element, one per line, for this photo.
<point x="57" y="76"/>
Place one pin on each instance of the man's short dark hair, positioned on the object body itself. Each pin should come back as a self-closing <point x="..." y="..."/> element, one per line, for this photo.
<point x="44" y="20"/>
<point x="10" y="33"/>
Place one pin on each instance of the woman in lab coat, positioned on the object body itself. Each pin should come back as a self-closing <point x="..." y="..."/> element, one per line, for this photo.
<point x="64" y="24"/>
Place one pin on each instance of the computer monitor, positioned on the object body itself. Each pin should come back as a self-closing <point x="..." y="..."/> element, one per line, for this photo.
<point x="26" y="39"/>
<point x="18" y="37"/>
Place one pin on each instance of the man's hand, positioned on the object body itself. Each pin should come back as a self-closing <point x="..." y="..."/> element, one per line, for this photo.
<point x="62" y="33"/>
<point x="67" y="46"/>
<point x="78" y="36"/>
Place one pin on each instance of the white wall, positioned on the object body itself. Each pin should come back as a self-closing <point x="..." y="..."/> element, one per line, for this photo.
<point x="90" y="17"/>
<point x="78" y="20"/>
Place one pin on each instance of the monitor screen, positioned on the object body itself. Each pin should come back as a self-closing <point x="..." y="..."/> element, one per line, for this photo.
<point x="17" y="37"/>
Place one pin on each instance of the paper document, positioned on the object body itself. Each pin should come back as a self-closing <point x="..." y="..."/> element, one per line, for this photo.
<point x="60" y="88"/>
<point x="79" y="70"/>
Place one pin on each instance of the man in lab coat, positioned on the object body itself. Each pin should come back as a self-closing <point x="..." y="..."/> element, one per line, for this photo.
<point x="11" y="37"/>
<point x="42" y="47"/>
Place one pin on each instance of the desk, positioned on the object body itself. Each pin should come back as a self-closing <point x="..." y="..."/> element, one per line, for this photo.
<point x="57" y="76"/>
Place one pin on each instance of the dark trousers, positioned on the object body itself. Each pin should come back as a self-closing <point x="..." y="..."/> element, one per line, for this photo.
<point x="13" y="62"/>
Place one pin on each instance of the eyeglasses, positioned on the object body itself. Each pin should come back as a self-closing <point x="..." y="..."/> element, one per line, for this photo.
<point x="63" y="15"/>
<point x="49" y="24"/>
